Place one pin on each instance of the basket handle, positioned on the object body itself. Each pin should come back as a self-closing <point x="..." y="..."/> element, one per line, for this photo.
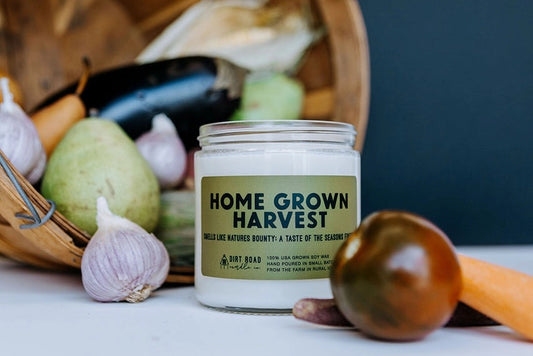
<point x="35" y="219"/>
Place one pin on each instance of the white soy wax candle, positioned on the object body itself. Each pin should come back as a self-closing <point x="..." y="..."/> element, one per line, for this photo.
<point x="274" y="202"/>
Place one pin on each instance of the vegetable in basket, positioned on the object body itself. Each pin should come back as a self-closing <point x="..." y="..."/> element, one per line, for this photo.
<point x="270" y="96"/>
<point x="191" y="91"/>
<point x="96" y="158"/>
<point x="164" y="151"/>
<point x="19" y="139"/>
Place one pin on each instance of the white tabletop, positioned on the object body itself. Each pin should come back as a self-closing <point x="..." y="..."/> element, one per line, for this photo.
<point x="48" y="313"/>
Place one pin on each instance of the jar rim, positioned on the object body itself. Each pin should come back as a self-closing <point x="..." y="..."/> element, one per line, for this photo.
<point x="277" y="130"/>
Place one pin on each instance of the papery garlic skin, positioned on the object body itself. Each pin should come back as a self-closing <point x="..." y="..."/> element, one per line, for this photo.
<point x="37" y="171"/>
<point x="19" y="139"/>
<point x="164" y="151"/>
<point x="122" y="262"/>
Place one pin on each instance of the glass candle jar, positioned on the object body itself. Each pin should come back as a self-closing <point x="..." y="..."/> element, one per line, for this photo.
<point x="274" y="202"/>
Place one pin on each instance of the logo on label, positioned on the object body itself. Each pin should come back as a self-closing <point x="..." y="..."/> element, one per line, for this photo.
<point x="224" y="263"/>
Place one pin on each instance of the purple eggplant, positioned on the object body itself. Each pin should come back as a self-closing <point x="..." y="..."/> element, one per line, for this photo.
<point x="192" y="91"/>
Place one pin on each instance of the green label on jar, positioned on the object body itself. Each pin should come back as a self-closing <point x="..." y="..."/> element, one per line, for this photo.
<point x="275" y="227"/>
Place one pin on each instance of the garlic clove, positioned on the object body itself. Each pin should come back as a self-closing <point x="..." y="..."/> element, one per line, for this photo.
<point x="164" y="151"/>
<point x="19" y="139"/>
<point x="122" y="262"/>
<point x="37" y="171"/>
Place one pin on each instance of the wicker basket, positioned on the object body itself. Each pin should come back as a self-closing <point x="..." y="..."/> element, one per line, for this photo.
<point x="336" y="77"/>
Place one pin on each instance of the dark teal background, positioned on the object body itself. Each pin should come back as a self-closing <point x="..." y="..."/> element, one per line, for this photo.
<point x="451" y="116"/>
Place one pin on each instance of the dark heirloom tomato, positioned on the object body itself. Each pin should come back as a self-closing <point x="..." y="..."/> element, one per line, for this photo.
<point x="397" y="277"/>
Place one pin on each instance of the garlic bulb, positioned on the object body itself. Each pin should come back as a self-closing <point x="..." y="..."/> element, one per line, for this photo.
<point x="19" y="139"/>
<point x="164" y="151"/>
<point x="122" y="262"/>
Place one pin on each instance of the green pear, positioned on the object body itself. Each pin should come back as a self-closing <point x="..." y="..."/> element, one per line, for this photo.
<point x="270" y="96"/>
<point x="97" y="158"/>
